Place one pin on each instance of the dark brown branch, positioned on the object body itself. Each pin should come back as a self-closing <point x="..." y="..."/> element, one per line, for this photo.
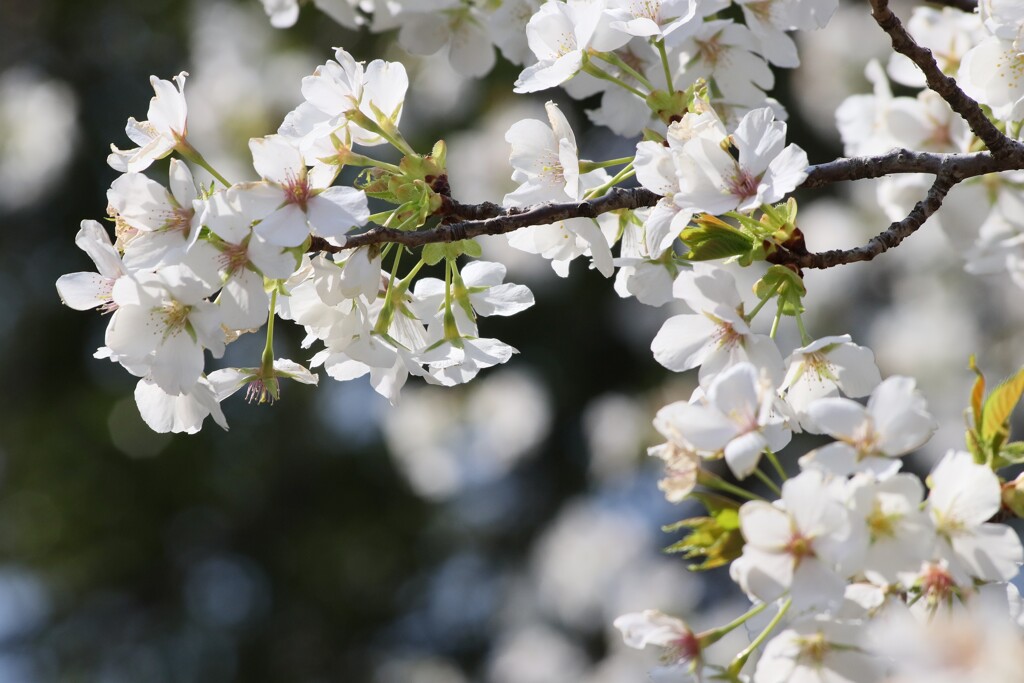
<point x="496" y="220"/>
<point x="906" y="161"/>
<point x="508" y="221"/>
<point x="944" y="85"/>
<point x="893" y="235"/>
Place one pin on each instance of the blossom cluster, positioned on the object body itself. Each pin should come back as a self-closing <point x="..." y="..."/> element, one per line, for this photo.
<point x="845" y="552"/>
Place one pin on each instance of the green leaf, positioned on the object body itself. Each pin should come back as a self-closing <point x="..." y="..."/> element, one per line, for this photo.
<point x="714" y="239"/>
<point x="998" y="407"/>
<point x="470" y="248"/>
<point x="977" y="392"/>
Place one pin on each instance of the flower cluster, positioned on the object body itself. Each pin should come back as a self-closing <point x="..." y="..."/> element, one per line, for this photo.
<point x="846" y="551"/>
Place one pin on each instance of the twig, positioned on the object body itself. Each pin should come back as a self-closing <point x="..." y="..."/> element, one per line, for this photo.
<point x="893" y="235"/>
<point x="945" y="86"/>
<point x="510" y="220"/>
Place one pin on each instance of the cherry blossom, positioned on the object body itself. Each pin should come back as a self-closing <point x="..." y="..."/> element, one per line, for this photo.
<point x="83" y="291"/>
<point x="560" y="34"/>
<point x="652" y="627"/>
<point x="736" y="417"/>
<point x="823" y="368"/>
<point x="164" y="131"/>
<point x="716" y="336"/>
<point x="801" y="547"/>
<point x="872" y="438"/>
<point x="963" y="498"/>
<point x="298" y="204"/>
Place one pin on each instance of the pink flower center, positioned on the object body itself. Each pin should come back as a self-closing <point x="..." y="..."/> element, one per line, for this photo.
<point x="297" y="191"/>
<point x="743" y="184"/>
<point x="234" y="258"/>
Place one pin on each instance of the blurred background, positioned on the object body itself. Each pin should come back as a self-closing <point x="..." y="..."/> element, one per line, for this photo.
<point x="486" y="533"/>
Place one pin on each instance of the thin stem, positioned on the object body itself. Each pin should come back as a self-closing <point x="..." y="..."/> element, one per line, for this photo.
<point x="775" y="322"/>
<point x="765" y="299"/>
<point x="616" y="60"/>
<point x="804" y="337"/>
<point x="192" y="154"/>
<point x="716" y="482"/>
<point x="267" y="360"/>
<point x="660" y="44"/>
<point x="766" y="480"/>
<point x="627" y="172"/>
<point x="587" y="166"/>
<point x="744" y="655"/>
<point x="774" y="460"/>
<point x="598" y="72"/>
<point x="713" y="635"/>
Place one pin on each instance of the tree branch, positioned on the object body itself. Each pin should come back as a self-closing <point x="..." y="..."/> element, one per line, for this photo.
<point x="893" y="235"/>
<point x="944" y="85"/>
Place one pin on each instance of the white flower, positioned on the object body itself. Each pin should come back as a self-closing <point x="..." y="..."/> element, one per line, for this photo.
<point x="83" y="291"/>
<point x="162" y="133"/>
<point x="546" y="164"/>
<point x="716" y="336"/>
<point x="766" y="171"/>
<point x="259" y="387"/>
<point x="769" y="19"/>
<point x="899" y="535"/>
<point x="682" y="461"/>
<point x="298" y="203"/>
<point x="481" y="292"/>
<point x="895" y="422"/>
<point x="825" y="366"/>
<point x="162" y="325"/>
<point x="336" y="90"/>
<point x="560" y="34"/>
<point x="179" y="412"/>
<point x="658" y="18"/>
<point x="991" y="73"/>
<point x="737" y="417"/>
<point x="728" y="54"/>
<point x="964" y="496"/>
<point x="817" y="651"/>
<point x="243" y="259"/>
<point x="801" y="545"/>
<point x="652" y="627"/>
<point x="460" y="28"/>
<point x="166" y="222"/>
<point x="545" y="160"/>
<point x="284" y="13"/>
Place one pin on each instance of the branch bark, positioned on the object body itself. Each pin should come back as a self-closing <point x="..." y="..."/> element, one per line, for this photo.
<point x="945" y="86"/>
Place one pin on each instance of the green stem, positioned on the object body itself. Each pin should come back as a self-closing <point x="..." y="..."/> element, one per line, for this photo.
<point x="716" y="482"/>
<point x="451" y="330"/>
<point x="766" y="480"/>
<point x="587" y="166"/>
<point x="660" y="44"/>
<point x="760" y="304"/>
<point x="742" y="657"/>
<point x="804" y="337"/>
<point x="627" y="172"/>
<point x="598" y="72"/>
<point x="712" y="636"/>
<point x="387" y="311"/>
<point x="774" y="460"/>
<point x="775" y="323"/>
<point x="190" y="153"/>
<point x="616" y="60"/>
<point x="267" y="361"/>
